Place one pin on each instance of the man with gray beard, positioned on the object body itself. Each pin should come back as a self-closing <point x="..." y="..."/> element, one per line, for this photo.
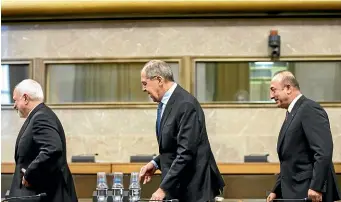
<point x="40" y="149"/>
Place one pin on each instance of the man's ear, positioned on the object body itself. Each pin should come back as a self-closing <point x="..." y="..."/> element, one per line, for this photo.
<point x="160" y="79"/>
<point x="289" y="88"/>
<point x="25" y="98"/>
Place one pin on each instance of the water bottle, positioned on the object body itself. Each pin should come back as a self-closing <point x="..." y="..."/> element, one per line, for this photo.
<point x="117" y="187"/>
<point x="134" y="187"/>
<point x="102" y="187"/>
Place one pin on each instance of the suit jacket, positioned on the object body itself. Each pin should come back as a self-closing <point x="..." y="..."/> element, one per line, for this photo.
<point x="305" y="150"/>
<point x="189" y="170"/>
<point x="41" y="150"/>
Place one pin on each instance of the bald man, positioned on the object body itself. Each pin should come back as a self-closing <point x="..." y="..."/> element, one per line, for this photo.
<point x="304" y="147"/>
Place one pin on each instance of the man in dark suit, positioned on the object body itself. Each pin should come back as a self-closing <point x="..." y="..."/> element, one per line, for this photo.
<point x="189" y="170"/>
<point x="40" y="150"/>
<point x="305" y="145"/>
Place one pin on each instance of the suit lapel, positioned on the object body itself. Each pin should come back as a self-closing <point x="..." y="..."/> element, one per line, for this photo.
<point x="23" y="128"/>
<point x="287" y="123"/>
<point x="21" y="132"/>
<point x="281" y="135"/>
<point x="167" y="111"/>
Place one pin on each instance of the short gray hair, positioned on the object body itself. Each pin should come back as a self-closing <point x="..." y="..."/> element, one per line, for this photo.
<point x="158" y="68"/>
<point x="288" y="77"/>
<point x="31" y="88"/>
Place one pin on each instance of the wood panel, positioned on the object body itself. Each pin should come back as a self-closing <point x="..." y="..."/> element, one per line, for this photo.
<point x="224" y="168"/>
<point x="7" y="168"/>
<point x="76" y="168"/>
<point x="249" y="168"/>
<point x="127" y="168"/>
<point x="89" y="168"/>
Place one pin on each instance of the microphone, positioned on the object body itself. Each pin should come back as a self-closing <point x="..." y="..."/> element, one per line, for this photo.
<point x="303" y="199"/>
<point x="169" y="200"/>
<point x="84" y="158"/>
<point x="24" y="197"/>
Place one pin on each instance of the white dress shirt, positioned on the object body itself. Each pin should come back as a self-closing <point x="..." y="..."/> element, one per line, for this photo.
<point x="292" y="104"/>
<point x="164" y="101"/>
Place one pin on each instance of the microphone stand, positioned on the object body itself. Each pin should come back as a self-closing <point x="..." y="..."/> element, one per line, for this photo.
<point x="169" y="200"/>
<point x="24" y="197"/>
<point x="303" y="199"/>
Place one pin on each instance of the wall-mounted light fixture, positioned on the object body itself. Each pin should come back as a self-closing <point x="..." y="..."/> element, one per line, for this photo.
<point x="274" y="44"/>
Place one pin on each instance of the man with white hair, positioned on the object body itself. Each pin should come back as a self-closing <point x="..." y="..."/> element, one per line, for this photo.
<point x="40" y="149"/>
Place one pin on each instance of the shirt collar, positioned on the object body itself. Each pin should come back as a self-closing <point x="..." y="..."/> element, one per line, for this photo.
<point x="168" y="94"/>
<point x="292" y="104"/>
<point x="32" y="110"/>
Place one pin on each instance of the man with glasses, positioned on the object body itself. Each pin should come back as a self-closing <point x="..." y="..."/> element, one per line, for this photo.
<point x="189" y="171"/>
<point x="304" y="147"/>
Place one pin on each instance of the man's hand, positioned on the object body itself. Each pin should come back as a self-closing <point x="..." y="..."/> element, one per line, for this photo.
<point x="24" y="182"/>
<point x="159" y="195"/>
<point x="314" y="195"/>
<point x="271" y="197"/>
<point x="147" y="172"/>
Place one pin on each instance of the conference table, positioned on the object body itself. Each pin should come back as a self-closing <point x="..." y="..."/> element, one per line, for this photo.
<point x="127" y="168"/>
<point x="239" y="177"/>
<point x="224" y="200"/>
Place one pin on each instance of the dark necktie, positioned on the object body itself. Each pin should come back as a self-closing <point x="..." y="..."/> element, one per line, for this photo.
<point x="287" y="115"/>
<point x="158" y="118"/>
